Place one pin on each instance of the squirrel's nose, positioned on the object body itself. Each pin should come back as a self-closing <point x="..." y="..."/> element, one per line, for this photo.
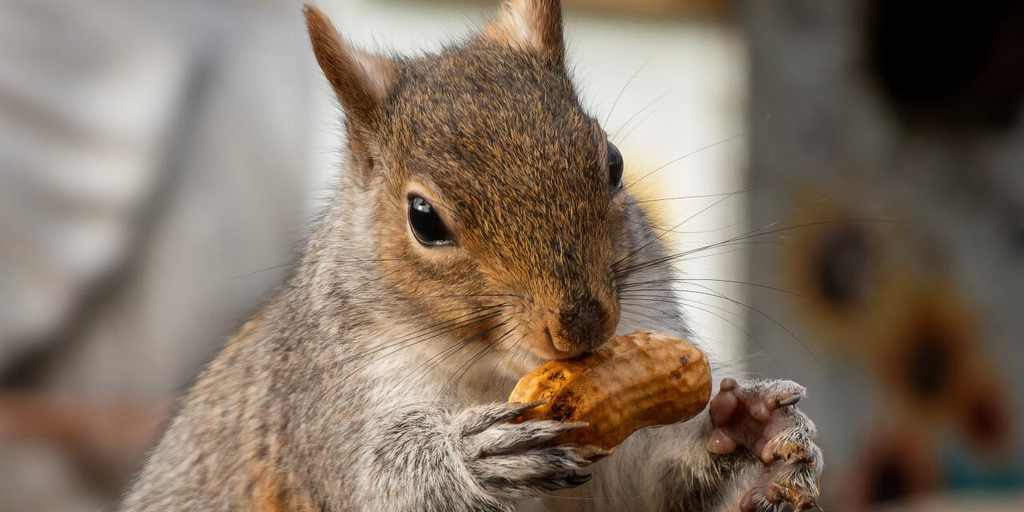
<point x="582" y="324"/>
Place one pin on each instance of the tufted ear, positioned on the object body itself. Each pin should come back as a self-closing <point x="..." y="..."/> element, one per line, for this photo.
<point x="361" y="81"/>
<point x="532" y="24"/>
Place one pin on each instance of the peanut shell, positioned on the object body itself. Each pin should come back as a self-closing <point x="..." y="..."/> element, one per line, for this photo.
<point x="633" y="381"/>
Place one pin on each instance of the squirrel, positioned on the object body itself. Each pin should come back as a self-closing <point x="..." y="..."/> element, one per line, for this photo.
<point x="480" y="228"/>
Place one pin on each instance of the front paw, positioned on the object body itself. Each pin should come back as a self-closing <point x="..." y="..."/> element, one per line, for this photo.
<point x="518" y="459"/>
<point x="759" y="416"/>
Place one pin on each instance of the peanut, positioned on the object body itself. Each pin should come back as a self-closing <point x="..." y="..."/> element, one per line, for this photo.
<point x="633" y="381"/>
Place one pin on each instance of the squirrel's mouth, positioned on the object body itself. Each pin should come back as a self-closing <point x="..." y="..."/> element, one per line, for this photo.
<point x="545" y="347"/>
<point x="567" y="351"/>
<point x="564" y="332"/>
<point x="534" y="359"/>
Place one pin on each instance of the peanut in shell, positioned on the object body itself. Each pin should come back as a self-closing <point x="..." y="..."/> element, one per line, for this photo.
<point x="633" y="381"/>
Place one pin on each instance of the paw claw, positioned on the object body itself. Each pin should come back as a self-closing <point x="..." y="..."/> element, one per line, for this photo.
<point x="478" y="419"/>
<point x="593" y="454"/>
<point x="786" y="401"/>
<point x="747" y="503"/>
<point x="768" y="453"/>
<point x="767" y="497"/>
<point x="788" y="451"/>
<point x="522" y="458"/>
<point x="775" y="493"/>
<point x="579" y="479"/>
<point x="525" y="406"/>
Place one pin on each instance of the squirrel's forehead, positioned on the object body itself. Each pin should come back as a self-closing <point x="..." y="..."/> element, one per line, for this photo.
<point x="475" y="85"/>
<point x="496" y="195"/>
<point x="487" y="109"/>
<point x="483" y="123"/>
<point x="515" y="164"/>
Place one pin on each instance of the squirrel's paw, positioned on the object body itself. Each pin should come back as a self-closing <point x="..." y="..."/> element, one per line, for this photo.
<point x="759" y="416"/>
<point x="518" y="459"/>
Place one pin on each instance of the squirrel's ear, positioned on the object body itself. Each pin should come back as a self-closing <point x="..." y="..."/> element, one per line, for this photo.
<point x="360" y="80"/>
<point x="532" y="24"/>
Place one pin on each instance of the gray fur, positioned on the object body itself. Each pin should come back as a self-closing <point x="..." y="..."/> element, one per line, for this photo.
<point x="371" y="385"/>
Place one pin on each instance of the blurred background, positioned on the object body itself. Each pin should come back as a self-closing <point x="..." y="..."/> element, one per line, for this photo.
<point x="846" y="177"/>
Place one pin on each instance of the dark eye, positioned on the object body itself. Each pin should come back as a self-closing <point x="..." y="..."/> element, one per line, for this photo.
<point x="426" y="223"/>
<point x="614" y="167"/>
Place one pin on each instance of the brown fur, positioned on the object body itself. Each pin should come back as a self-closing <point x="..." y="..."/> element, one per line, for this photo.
<point x="492" y="133"/>
<point x="369" y="381"/>
<point x="270" y="493"/>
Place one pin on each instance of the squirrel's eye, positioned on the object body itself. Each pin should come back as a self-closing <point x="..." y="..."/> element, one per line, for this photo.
<point x="614" y="167"/>
<point x="426" y="224"/>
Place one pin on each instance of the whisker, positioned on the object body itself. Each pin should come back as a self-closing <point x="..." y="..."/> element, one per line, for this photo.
<point x="514" y="349"/>
<point x="649" y="317"/>
<point x="423" y="336"/>
<point x="637" y="125"/>
<point x="764" y="315"/>
<point x="629" y="286"/>
<point x="691" y="153"/>
<point x="700" y="196"/>
<point x="759" y="232"/>
<point x="702" y="306"/>
<point x="454" y="349"/>
<point x="645" y="107"/>
<point x="624" y="86"/>
<point x="659" y="237"/>
<point x="461" y="371"/>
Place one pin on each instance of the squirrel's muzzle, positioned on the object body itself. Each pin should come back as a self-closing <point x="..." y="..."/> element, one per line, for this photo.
<point x="580" y="325"/>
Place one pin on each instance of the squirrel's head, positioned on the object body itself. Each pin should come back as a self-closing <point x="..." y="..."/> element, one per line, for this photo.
<point x="497" y="207"/>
